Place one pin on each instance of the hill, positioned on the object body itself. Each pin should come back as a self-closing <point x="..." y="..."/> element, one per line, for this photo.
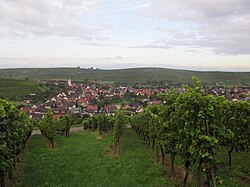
<point x="14" y="89"/>
<point x="129" y="75"/>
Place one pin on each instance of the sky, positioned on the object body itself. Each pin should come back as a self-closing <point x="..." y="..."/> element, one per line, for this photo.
<point x="109" y="34"/>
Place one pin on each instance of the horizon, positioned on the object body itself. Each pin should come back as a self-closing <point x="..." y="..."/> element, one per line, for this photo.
<point x="188" y="35"/>
<point x="126" y="68"/>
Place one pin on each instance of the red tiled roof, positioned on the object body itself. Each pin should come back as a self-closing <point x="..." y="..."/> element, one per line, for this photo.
<point x="91" y="107"/>
<point x="83" y="100"/>
<point x="57" y="116"/>
<point x="25" y="109"/>
<point x="59" y="103"/>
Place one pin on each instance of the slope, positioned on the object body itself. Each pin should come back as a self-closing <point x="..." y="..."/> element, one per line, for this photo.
<point x="129" y="75"/>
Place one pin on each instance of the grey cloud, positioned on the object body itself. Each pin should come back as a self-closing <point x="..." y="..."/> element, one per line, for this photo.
<point x="97" y="44"/>
<point x="229" y="40"/>
<point x="152" y="46"/>
<point x="221" y="25"/>
<point x="13" y="58"/>
<point x="140" y="6"/>
<point x="49" y="18"/>
<point x="194" y="10"/>
<point x="119" y="57"/>
<point x="112" y="58"/>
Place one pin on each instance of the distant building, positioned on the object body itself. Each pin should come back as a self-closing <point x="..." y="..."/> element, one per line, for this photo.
<point x="92" y="109"/>
<point x="69" y="82"/>
<point x="110" y="109"/>
<point x="26" y="109"/>
<point x="76" y="110"/>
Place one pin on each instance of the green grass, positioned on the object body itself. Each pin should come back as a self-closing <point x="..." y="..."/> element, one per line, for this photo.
<point x="17" y="103"/>
<point x="12" y="89"/>
<point x="82" y="160"/>
<point x="236" y="176"/>
<point x="129" y="75"/>
<point x="239" y="174"/>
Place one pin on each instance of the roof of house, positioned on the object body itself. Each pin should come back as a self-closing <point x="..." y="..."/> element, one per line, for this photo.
<point x="110" y="108"/>
<point x="25" y="109"/>
<point x="92" y="107"/>
<point x="57" y="116"/>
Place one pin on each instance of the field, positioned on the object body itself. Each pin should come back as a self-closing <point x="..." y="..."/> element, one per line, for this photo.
<point x="129" y="75"/>
<point x="82" y="160"/>
<point x="13" y="89"/>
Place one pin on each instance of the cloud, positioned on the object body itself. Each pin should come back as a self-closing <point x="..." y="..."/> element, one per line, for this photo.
<point x="196" y="10"/>
<point x="112" y="58"/>
<point x="49" y="18"/>
<point x="119" y="57"/>
<point x="154" y="46"/>
<point x="98" y="44"/>
<point x="221" y="25"/>
<point x="135" y="7"/>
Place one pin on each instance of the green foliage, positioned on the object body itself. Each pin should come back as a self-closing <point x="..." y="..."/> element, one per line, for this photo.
<point x="15" y="129"/>
<point x="47" y="127"/>
<point x="195" y="126"/>
<point x="168" y="140"/>
<point x="49" y="90"/>
<point x="87" y="123"/>
<point x="100" y="122"/>
<point x="236" y="119"/>
<point x="121" y="119"/>
<point x="105" y="123"/>
<point x="63" y="124"/>
<point x="239" y="123"/>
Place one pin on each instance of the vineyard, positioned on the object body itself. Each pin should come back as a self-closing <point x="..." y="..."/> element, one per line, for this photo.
<point x="14" y="88"/>
<point x="193" y="139"/>
<point x="15" y="129"/>
<point x="132" y="75"/>
<point x="195" y="126"/>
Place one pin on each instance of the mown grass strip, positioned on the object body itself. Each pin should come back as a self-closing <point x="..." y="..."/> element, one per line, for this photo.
<point x="82" y="160"/>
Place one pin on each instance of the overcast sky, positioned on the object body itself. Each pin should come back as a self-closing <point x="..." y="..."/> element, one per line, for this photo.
<point x="183" y="34"/>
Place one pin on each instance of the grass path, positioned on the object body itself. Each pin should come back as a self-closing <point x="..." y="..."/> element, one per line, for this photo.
<point x="81" y="160"/>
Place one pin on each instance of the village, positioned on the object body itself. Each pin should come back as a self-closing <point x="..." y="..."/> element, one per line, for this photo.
<point x="85" y="99"/>
<point x="90" y="99"/>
